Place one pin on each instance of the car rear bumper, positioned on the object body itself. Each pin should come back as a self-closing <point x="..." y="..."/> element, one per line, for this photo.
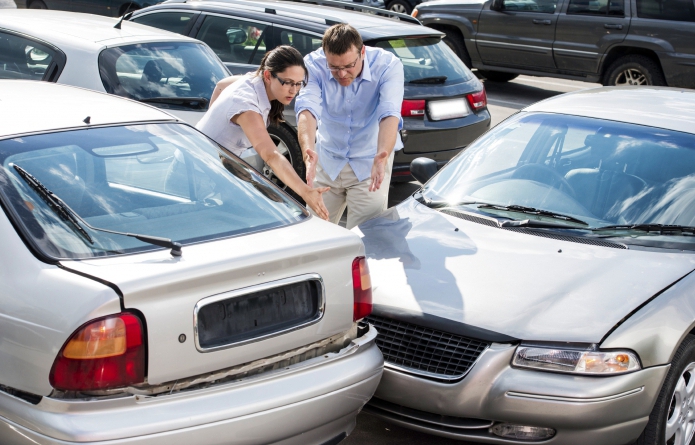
<point x="313" y="402"/>
<point x="598" y="410"/>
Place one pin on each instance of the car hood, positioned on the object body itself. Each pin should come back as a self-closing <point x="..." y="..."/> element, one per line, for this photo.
<point x="423" y="261"/>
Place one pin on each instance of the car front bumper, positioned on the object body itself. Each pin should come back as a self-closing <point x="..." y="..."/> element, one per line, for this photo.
<point x="598" y="410"/>
<point x="312" y="402"/>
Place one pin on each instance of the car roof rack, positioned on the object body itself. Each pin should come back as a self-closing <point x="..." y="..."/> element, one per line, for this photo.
<point x="361" y="8"/>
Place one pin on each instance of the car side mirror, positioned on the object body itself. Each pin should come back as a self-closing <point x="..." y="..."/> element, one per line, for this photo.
<point x="423" y="169"/>
<point x="497" y="5"/>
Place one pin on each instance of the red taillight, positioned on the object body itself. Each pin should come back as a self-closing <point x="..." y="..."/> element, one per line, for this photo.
<point x="413" y="108"/>
<point x="362" y="287"/>
<point x="105" y="353"/>
<point x="477" y="100"/>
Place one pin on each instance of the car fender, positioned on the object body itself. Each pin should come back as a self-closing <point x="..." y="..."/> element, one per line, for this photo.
<point x="656" y="329"/>
<point x="465" y="20"/>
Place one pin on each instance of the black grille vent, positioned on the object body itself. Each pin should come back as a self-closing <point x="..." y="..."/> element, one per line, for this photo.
<point x="429" y="352"/>
<point x="542" y="234"/>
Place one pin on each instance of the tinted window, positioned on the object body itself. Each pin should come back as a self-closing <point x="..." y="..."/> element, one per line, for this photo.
<point x="157" y="72"/>
<point x="165" y="180"/>
<point x="425" y="58"/>
<point x="677" y="10"/>
<point x="304" y="43"/>
<point x="22" y="58"/>
<point x="178" y="22"/>
<point x="544" y="6"/>
<point x="596" y="7"/>
<point x="234" y="41"/>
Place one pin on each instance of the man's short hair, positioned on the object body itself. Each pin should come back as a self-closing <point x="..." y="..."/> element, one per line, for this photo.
<point x="338" y="39"/>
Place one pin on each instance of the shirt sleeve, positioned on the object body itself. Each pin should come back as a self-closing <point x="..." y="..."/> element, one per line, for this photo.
<point x="243" y="99"/>
<point x="391" y="92"/>
<point x="309" y="97"/>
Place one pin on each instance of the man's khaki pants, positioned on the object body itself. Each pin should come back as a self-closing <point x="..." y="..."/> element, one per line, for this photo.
<point x="347" y="190"/>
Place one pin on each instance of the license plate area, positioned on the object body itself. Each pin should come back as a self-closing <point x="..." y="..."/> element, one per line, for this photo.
<point x="439" y="110"/>
<point x="258" y="312"/>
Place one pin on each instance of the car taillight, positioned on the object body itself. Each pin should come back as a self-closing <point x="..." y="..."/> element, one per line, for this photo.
<point x="477" y="100"/>
<point x="105" y="353"/>
<point x="362" y="287"/>
<point x="413" y="108"/>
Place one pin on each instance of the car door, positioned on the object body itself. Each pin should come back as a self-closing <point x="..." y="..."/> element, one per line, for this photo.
<point x="586" y="31"/>
<point x="239" y="43"/>
<point x="519" y="33"/>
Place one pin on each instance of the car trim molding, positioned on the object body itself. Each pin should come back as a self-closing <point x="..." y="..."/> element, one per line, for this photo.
<point x="530" y="48"/>
<point x="524" y="395"/>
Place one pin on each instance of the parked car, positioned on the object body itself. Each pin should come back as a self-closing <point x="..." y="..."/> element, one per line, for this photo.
<point x="111" y="8"/>
<point x="445" y="106"/>
<point x="540" y="287"/>
<point x="614" y="42"/>
<point x="156" y="289"/>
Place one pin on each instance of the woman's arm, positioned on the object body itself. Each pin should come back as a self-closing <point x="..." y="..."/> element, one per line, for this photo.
<point x="221" y="85"/>
<point x="255" y="129"/>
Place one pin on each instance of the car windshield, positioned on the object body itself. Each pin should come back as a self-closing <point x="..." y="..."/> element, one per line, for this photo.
<point x="426" y="58"/>
<point x="162" y="72"/>
<point x="601" y="172"/>
<point x="164" y="180"/>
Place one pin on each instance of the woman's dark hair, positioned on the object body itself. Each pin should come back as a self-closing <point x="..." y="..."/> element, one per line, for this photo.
<point x="277" y="61"/>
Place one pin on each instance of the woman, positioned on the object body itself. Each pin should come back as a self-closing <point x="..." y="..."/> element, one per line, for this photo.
<point x="239" y="115"/>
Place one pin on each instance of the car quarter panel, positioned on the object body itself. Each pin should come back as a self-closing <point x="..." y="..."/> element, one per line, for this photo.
<point x="462" y="16"/>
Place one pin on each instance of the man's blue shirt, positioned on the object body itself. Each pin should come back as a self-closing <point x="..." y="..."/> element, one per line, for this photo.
<point x="348" y="117"/>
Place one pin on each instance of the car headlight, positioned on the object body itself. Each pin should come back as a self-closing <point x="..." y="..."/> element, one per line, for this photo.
<point x="589" y="362"/>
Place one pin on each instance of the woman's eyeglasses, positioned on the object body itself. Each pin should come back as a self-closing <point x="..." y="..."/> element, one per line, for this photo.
<point x="288" y="83"/>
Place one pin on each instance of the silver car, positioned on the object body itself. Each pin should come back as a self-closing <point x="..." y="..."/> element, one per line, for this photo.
<point x="539" y="287"/>
<point x="156" y="290"/>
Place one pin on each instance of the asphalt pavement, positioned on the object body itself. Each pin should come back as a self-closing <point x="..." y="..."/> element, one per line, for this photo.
<point x="504" y="99"/>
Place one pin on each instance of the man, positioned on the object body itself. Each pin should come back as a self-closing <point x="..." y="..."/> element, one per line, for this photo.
<point x="354" y="97"/>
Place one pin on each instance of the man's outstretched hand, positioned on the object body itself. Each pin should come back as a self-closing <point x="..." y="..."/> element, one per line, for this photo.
<point x="310" y="160"/>
<point x="378" y="170"/>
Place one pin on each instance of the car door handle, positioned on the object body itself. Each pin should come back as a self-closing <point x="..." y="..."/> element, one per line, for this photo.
<point x="541" y="22"/>
<point x="612" y="26"/>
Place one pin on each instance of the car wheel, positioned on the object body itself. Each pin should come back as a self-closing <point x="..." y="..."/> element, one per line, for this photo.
<point x="287" y="144"/>
<point x="37" y="4"/>
<point x="672" y="420"/>
<point x="454" y="41"/>
<point x="399" y="6"/>
<point x="498" y="76"/>
<point x="634" y="70"/>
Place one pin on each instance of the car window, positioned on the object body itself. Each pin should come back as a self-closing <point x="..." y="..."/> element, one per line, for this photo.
<point x="178" y="22"/>
<point x="164" y="180"/>
<point x="425" y="58"/>
<point x="543" y="6"/>
<point x="304" y="43"/>
<point x="233" y="40"/>
<point x="161" y="72"/>
<point x="676" y="10"/>
<point x="21" y="58"/>
<point x="597" y="7"/>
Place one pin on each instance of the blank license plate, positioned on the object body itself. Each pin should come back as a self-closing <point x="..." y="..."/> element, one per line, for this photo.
<point x="440" y="110"/>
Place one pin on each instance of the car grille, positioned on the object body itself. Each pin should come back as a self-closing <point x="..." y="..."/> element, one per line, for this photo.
<point x="429" y="352"/>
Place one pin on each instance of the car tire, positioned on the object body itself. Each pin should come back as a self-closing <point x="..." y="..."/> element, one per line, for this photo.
<point x="634" y="69"/>
<point x="498" y="76"/>
<point x="455" y="41"/>
<point x="37" y="4"/>
<point x="666" y="414"/>
<point x="401" y="6"/>
<point x="287" y="144"/>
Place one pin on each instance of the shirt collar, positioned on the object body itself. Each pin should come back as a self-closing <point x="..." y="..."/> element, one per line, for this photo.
<point x="259" y="86"/>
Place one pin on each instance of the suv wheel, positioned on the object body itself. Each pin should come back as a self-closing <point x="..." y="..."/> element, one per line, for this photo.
<point x="454" y="41"/>
<point x="498" y="76"/>
<point x="401" y="6"/>
<point x="287" y="144"/>
<point x="634" y="70"/>
<point x="672" y="419"/>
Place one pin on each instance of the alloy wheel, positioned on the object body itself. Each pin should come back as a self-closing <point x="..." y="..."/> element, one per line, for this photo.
<point x="397" y="7"/>
<point x="283" y="150"/>
<point x="631" y="76"/>
<point x="680" y="422"/>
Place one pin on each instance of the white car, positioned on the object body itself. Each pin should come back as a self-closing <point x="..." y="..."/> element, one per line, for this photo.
<point x="155" y="290"/>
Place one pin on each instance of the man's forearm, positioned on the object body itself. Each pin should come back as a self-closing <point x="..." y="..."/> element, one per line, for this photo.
<point x="388" y="132"/>
<point x="306" y="129"/>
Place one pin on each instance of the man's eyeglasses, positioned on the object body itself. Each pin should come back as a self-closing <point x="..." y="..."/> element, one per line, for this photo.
<point x="288" y="83"/>
<point x="335" y="69"/>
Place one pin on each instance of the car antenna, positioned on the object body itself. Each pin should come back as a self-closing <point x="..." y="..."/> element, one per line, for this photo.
<point x="123" y="17"/>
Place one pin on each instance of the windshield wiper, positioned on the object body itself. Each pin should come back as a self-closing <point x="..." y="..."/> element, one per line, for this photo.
<point x="433" y="79"/>
<point x="533" y="211"/>
<point x="67" y="214"/>
<point x="195" y="103"/>
<point x="662" y="229"/>
<point x="419" y="197"/>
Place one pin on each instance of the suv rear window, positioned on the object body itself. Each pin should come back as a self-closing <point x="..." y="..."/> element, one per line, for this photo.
<point x="425" y="58"/>
<point x="676" y="10"/>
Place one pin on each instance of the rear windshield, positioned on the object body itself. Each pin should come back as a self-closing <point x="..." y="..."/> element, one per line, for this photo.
<point x="164" y="180"/>
<point x="426" y="58"/>
<point x="160" y="73"/>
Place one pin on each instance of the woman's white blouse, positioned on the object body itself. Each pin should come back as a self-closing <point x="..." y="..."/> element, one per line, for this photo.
<point x="246" y="94"/>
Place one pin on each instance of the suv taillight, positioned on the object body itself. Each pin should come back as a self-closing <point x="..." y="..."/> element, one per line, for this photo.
<point x="413" y="108"/>
<point x="477" y="100"/>
<point x="362" y="287"/>
<point x="105" y="353"/>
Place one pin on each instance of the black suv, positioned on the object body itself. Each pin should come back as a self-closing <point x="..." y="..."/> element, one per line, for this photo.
<point x="614" y="42"/>
<point x="445" y="107"/>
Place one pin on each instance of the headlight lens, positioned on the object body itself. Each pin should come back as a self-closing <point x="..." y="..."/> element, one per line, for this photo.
<point x="575" y="361"/>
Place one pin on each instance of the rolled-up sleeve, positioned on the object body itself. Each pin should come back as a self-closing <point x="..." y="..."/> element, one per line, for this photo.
<point x="245" y="99"/>
<point x="391" y="92"/>
<point x="309" y="97"/>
